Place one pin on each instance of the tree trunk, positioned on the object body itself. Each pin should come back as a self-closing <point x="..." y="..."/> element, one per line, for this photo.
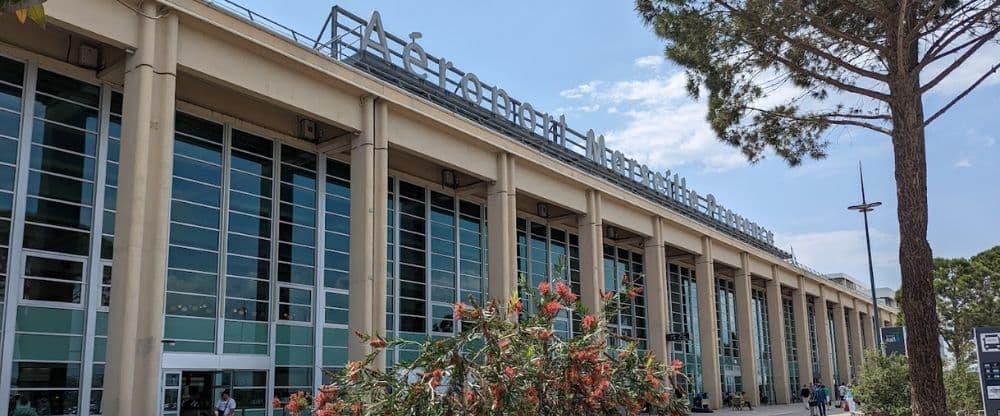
<point x="915" y="258"/>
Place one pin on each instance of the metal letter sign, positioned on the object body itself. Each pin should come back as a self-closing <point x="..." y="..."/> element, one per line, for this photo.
<point x="894" y="340"/>
<point x="988" y="354"/>
<point x="368" y="46"/>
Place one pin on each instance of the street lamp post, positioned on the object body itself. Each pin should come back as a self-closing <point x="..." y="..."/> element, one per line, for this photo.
<point x="864" y="208"/>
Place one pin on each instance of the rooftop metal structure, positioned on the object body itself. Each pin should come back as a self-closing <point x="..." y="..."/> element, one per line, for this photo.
<point x="341" y="40"/>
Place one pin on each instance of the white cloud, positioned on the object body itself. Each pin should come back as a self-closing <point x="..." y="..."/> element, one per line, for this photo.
<point x="579" y="109"/>
<point x="967" y="73"/>
<point x="844" y="251"/>
<point x="580" y="91"/>
<point x="650" y="61"/>
<point x="963" y="163"/>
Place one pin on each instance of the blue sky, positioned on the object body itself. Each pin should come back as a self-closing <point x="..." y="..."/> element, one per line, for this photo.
<point x="595" y="62"/>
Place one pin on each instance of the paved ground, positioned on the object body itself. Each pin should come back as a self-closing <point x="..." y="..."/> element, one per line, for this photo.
<point x="796" y="409"/>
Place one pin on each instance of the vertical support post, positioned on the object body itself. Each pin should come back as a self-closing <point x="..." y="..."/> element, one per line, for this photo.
<point x="776" y="330"/>
<point x="502" y="234"/>
<point x="707" y="326"/>
<point x="362" y="265"/>
<point x="135" y="330"/>
<point x="857" y="334"/>
<point x="380" y="187"/>
<point x="869" y="331"/>
<point x="592" y="253"/>
<point x="656" y="292"/>
<point x="823" y="338"/>
<point x="746" y="330"/>
<point x="803" y="343"/>
<point x="840" y="328"/>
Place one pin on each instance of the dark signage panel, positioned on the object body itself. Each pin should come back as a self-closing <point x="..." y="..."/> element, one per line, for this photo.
<point x="988" y="354"/>
<point x="894" y="340"/>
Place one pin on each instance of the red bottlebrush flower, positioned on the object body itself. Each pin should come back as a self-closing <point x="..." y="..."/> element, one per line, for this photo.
<point x="533" y="396"/>
<point x="676" y="365"/>
<point x="544" y="288"/>
<point x="606" y="296"/>
<point x="518" y="307"/>
<point x="437" y="373"/>
<point x="510" y="372"/>
<point x="550" y="309"/>
<point x="634" y="292"/>
<point x="377" y="343"/>
<point x="544" y="334"/>
<point x="589" y="321"/>
<point x="458" y="309"/>
<point x="276" y="403"/>
<point x="503" y="343"/>
<point x="565" y="293"/>
<point x="356" y="407"/>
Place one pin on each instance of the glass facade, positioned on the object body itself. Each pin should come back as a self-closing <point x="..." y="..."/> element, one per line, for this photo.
<point x="437" y="258"/>
<point x="850" y="347"/>
<point x="58" y="166"/>
<point x="684" y="320"/>
<point x="729" y="345"/>
<point x="813" y="341"/>
<point x="548" y="254"/>
<point x="762" y="344"/>
<point x="791" y="346"/>
<point x="621" y="264"/>
<point x="832" y="329"/>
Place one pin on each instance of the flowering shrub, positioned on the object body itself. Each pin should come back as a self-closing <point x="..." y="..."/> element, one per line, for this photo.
<point x="508" y="362"/>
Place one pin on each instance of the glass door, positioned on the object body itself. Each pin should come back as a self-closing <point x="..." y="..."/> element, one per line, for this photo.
<point x="171" y="393"/>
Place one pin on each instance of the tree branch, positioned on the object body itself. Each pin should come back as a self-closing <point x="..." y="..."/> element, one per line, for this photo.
<point x="958" y="62"/>
<point x="929" y="59"/>
<point x="798" y="43"/>
<point x="824" y="118"/>
<point x="959" y="97"/>
<point x="829" y="80"/>
<point x="829" y="30"/>
<point x="956" y="30"/>
<point x="915" y="34"/>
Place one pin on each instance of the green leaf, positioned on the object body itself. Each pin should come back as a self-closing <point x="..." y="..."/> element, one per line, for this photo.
<point x="37" y="14"/>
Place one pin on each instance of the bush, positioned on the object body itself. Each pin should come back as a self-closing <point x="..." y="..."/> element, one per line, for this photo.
<point x="501" y="364"/>
<point x="883" y="385"/>
<point x="962" y="390"/>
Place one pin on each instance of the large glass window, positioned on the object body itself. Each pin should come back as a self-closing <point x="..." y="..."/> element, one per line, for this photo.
<point x="684" y="320"/>
<point x="248" y="244"/>
<point x="729" y="345"/>
<point x="336" y="280"/>
<point x="813" y="341"/>
<point x="791" y="346"/>
<point x="195" y="218"/>
<point x="832" y="329"/>
<point x="436" y="259"/>
<point x="548" y="254"/>
<point x="621" y="265"/>
<point x="850" y="347"/>
<point x="294" y="349"/>
<point x="762" y="344"/>
<point x="11" y="91"/>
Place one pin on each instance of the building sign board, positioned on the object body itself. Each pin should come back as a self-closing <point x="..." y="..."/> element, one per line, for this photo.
<point x="369" y="38"/>
<point x="894" y="340"/>
<point x="988" y="356"/>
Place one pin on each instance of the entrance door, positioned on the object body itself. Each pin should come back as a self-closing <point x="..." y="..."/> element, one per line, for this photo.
<point x="201" y="389"/>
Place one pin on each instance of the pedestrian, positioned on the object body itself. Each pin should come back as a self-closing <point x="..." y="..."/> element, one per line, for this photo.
<point x="226" y="406"/>
<point x="850" y="405"/>
<point x="806" y="394"/>
<point x="821" y="397"/>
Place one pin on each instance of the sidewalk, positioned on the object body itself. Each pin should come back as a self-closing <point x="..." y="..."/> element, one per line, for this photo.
<point x="796" y="409"/>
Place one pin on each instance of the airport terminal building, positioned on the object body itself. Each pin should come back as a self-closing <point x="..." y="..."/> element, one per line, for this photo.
<point x="195" y="198"/>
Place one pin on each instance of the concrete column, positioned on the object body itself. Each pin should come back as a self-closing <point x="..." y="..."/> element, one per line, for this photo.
<point x="857" y="334"/>
<point x="869" y="328"/>
<point x="592" y="253"/>
<point x="707" y="326"/>
<point x="803" y="343"/>
<point x="362" y="261"/>
<point x="501" y="215"/>
<point x="776" y="330"/>
<point x="380" y="185"/>
<point x="657" y="300"/>
<point x="840" y="344"/>
<point x="135" y="328"/>
<point x="746" y="330"/>
<point x="823" y="338"/>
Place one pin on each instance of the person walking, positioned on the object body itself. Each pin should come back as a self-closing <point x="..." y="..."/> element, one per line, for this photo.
<point x="850" y="405"/>
<point x="821" y="398"/>
<point x="226" y="406"/>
